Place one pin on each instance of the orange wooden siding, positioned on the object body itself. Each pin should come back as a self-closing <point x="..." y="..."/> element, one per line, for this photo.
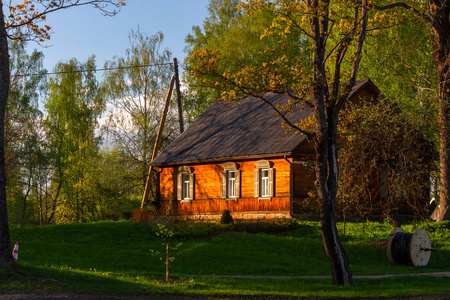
<point x="216" y="206"/>
<point x="208" y="189"/>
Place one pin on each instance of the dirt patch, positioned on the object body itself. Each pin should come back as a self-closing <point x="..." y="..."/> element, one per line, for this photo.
<point x="19" y="295"/>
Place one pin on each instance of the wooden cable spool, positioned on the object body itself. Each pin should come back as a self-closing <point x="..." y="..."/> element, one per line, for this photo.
<point x="407" y="248"/>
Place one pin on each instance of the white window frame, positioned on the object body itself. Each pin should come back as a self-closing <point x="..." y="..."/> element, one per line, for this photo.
<point x="264" y="182"/>
<point x="185" y="180"/>
<point x="185" y="184"/>
<point x="231" y="184"/>
<point x="264" y="186"/>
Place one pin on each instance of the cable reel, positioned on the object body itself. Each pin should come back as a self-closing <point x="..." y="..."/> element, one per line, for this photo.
<point x="409" y="248"/>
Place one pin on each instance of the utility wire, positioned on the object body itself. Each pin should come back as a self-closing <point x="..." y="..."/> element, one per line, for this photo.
<point x="93" y="70"/>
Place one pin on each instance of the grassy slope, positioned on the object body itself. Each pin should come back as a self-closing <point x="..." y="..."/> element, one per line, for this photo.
<point x="114" y="257"/>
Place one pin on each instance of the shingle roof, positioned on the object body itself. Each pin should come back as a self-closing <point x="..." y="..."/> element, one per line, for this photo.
<point x="230" y="129"/>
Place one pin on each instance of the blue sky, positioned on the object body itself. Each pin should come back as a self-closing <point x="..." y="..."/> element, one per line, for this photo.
<point x="83" y="31"/>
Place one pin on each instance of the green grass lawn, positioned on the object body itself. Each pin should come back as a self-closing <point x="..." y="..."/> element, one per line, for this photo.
<point x="114" y="257"/>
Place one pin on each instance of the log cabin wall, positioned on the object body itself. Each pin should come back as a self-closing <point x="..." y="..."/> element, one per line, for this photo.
<point x="363" y="96"/>
<point x="304" y="177"/>
<point x="208" y="190"/>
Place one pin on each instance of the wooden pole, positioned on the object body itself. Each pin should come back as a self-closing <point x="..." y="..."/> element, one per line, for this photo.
<point x="157" y="143"/>
<point x="177" y="86"/>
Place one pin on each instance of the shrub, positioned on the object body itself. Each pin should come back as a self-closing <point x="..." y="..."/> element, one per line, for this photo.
<point x="226" y="217"/>
<point x="143" y="215"/>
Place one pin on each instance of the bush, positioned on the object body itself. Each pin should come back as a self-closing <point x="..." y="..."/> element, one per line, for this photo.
<point x="226" y="217"/>
<point x="143" y="215"/>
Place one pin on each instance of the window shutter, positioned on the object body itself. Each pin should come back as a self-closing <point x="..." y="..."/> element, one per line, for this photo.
<point x="191" y="186"/>
<point x="256" y="190"/>
<point x="271" y="181"/>
<point x="224" y="184"/>
<point x="179" y="187"/>
<point x="238" y="183"/>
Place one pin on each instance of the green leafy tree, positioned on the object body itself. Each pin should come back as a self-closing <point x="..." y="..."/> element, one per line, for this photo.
<point x="117" y="195"/>
<point x="399" y="60"/>
<point x="238" y="36"/>
<point x="72" y="108"/>
<point x="23" y="129"/>
<point x="436" y="14"/>
<point x="135" y="87"/>
<point x="27" y="17"/>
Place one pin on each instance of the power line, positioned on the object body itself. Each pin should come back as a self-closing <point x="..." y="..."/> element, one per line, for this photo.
<point x="94" y="70"/>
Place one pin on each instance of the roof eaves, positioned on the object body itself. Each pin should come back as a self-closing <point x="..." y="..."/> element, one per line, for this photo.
<point x="223" y="159"/>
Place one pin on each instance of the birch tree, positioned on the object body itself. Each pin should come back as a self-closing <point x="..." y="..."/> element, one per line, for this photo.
<point x="135" y="88"/>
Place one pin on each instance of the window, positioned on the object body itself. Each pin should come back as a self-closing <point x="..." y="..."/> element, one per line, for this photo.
<point x="185" y="184"/>
<point x="185" y="188"/>
<point x="264" y="177"/>
<point x="264" y="180"/>
<point x="231" y="184"/>
<point x="231" y="178"/>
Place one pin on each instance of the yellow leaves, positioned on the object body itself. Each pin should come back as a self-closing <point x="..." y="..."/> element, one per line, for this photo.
<point x="229" y="95"/>
<point x="308" y="124"/>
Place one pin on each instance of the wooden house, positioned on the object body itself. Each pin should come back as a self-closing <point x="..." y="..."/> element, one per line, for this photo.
<point x="237" y="156"/>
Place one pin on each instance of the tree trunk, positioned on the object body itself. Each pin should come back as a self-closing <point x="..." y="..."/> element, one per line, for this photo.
<point x="6" y="259"/>
<point x="327" y="186"/>
<point x="25" y="199"/>
<point x="441" y="31"/>
<point x="444" y="155"/>
<point x="326" y="152"/>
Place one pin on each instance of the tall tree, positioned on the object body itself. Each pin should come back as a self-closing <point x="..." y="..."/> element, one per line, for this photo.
<point x="72" y="108"/>
<point x="136" y="86"/>
<point x="26" y="16"/>
<point x="437" y="14"/>
<point x="399" y="60"/>
<point x="337" y="31"/>
<point x="439" y="17"/>
<point x="23" y="138"/>
<point x="6" y="258"/>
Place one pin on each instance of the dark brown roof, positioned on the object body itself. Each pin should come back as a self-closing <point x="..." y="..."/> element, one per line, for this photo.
<point x="247" y="128"/>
